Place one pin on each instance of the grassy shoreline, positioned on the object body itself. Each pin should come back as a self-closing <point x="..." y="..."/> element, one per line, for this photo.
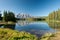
<point x="8" y="34"/>
<point x="10" y="22"/>
<point x="50" y="36"/>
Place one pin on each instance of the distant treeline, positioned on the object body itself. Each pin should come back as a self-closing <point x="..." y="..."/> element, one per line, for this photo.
<point x="39" y="19"/>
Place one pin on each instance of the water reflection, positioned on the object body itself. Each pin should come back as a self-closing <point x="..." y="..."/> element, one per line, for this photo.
<point x="23" y="23"/>
<point x="10" y="26"/>
<point x="54" y="25"/>
<point x="1" y="25"/>
<point x="37" y="28"/>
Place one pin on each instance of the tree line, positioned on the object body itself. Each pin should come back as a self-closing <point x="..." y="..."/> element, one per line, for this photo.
<point x="9" y="16"/>
<point x="55" y="15"/>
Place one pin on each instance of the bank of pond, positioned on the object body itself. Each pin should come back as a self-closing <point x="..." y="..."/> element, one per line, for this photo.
<point x="9" y="34"/>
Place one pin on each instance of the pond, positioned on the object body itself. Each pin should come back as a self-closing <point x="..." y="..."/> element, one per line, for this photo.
<point x="37" y="28"/>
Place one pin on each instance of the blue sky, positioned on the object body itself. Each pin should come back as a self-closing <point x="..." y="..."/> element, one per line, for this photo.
<point x="32" y="7"/>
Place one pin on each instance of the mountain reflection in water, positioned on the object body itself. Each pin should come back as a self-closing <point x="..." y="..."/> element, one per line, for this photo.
<point x="23" y="23"/>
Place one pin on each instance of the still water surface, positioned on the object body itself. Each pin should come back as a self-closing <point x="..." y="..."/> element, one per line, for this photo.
<point x="37" y="28"/>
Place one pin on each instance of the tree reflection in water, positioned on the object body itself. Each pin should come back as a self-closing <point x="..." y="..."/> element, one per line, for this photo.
<point x="1" y="25"/>
<point x="55" y="25"/>
<point x="10" y="26"/>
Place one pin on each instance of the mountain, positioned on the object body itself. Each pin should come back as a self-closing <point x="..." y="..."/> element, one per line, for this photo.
<point x="23" y="15"/>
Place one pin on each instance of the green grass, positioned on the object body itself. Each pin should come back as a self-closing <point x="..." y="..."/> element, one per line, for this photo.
<point x="8" y="34"/>
<point x="47" y="36"/>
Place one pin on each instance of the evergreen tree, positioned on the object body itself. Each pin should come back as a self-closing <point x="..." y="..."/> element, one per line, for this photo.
<point x="5" y="16"/>
<point x="9" y="16"/>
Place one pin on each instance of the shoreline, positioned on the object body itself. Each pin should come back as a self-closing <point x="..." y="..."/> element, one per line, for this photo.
<point x="51" y="36"/>
<point x="1" y="23"/>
